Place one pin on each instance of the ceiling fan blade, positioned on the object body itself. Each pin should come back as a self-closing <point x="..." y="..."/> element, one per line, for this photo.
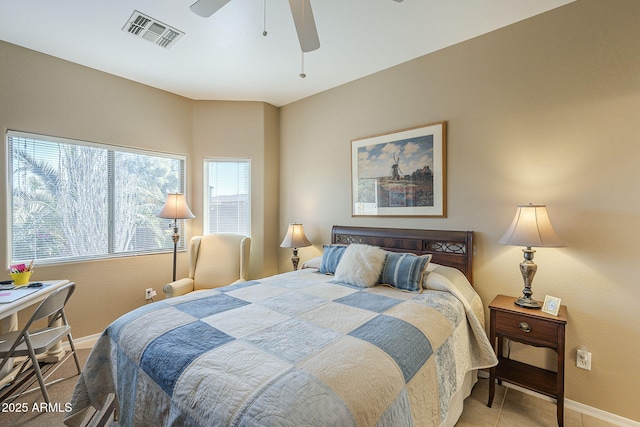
<point x="206" y="8"/>
<point x="305" y="24"/>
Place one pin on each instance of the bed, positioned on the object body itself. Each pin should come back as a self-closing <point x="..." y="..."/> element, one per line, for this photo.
<point x="305" y="347"/>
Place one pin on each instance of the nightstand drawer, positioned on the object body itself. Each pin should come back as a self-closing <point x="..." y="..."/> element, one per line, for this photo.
<point x="527" y="329"/>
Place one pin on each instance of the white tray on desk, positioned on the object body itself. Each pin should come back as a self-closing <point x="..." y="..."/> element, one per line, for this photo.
<point x="14" y="294"/>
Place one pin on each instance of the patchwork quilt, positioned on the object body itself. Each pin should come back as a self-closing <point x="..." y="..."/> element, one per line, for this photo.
<point x="296" y="349"/>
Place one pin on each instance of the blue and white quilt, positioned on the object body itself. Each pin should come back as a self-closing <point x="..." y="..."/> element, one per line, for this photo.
<point x="296" y="349"/>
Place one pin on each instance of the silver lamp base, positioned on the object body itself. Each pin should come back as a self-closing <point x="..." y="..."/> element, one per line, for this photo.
<point x="528" y="269"/>
<point x="527" y="303"/>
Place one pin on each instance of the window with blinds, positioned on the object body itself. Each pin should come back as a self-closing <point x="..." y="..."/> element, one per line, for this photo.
<point x="227" y="196"/>
<point x="73" y="200"/>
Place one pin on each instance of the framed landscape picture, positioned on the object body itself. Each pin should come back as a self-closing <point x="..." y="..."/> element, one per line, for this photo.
<point x="401" y="173"/>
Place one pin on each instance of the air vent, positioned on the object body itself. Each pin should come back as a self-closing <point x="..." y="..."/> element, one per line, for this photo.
<point x="145" y="27"/>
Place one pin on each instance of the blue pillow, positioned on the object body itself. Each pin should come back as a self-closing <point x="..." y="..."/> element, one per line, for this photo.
<point x="330" y="258"/>
<point x="404" y="271"/>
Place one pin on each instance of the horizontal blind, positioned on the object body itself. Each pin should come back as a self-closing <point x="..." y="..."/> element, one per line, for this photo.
<point x="227" y="198"/>
<point x="73" y="200"/>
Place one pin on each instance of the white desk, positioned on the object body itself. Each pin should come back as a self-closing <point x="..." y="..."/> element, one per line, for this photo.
<point x="7" y="309"/>
<point x="9" y="316"/>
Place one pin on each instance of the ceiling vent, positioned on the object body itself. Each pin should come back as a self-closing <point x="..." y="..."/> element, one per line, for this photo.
<point x="145" y="27"/>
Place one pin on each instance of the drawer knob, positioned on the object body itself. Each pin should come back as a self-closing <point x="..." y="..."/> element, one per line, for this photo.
<point x="524" y="327"/>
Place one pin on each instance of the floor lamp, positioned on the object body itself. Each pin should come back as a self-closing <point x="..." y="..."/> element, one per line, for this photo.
<point x="175" y="208"/>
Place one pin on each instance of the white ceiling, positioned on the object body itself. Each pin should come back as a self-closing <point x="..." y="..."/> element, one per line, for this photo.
<point x="225" y="56"/>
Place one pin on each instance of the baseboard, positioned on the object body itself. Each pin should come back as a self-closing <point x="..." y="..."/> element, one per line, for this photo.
<point x="573" y="405"/>
<point x="82" y="343"/>
<point x="602" y="415"/>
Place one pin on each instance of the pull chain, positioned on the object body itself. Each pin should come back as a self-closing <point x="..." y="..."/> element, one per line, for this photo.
<point x="264" y="32"/>
<point x="302" y="74"/>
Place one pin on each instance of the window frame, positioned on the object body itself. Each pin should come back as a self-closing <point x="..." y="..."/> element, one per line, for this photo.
<point x="206" y="191"/>
<point x="112" y="149"/>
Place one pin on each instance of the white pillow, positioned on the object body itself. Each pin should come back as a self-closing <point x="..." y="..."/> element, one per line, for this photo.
<point x="360" y="265"/>
<point x="312" y="263"/>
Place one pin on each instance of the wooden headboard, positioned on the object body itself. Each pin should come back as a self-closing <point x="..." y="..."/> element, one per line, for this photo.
<point x="450" y="248"/>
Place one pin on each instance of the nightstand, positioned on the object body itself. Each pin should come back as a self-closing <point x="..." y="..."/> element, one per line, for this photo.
<point x="530" y="327"/>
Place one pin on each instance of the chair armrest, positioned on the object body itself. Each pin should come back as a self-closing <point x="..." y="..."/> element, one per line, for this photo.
<point x="179" y="287"/>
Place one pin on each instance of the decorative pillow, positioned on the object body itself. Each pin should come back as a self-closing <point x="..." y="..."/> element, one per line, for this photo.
<point x="361" y="265"/>
<point x="330" y="258"/>
<point x="404" y="271"/>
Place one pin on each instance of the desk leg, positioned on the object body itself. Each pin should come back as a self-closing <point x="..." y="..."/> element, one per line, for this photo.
<point x="7" y="324"/>
<point x="55" y="353"/>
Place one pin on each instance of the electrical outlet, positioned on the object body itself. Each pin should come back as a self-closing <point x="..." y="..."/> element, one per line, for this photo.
<point x="149" y="293"/>
<point x="583" y="359"/>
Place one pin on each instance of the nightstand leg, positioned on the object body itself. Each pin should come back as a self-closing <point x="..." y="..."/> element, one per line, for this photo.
<point x="492" y="386"/>
<point x="560" y="412"/>
<point x="492" y="371"/>
<point x="499" y="350"/>
<point x="560" y="376"/>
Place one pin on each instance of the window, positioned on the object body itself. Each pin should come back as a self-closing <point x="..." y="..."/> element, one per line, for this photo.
<point x="227" y="201"/>
<point x="72" y="200"/>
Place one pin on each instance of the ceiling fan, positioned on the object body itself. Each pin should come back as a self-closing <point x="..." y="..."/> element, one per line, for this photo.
<point x="300" y="9"/>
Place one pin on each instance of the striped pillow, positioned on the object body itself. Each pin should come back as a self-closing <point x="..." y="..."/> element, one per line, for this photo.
<point x="404" y="271"/>
<point x="330" y="258"/>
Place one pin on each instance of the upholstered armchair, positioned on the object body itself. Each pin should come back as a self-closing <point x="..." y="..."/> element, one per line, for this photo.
<point x="215" y="260"/>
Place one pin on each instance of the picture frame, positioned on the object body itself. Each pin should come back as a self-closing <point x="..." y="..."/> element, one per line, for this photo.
<point x="551" y="305"/>
<point x="401" y="173"/>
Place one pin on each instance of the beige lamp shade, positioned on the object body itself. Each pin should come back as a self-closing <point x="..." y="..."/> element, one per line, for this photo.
<point x="175" y="207"/>
<point x="531" y="227"/>
<point x="295" y="237"/>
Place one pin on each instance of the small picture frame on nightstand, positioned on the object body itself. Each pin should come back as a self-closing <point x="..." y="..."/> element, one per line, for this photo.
<point x="551" y="305"/>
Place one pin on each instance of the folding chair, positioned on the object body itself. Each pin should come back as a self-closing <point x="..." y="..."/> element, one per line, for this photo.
<point x="29" y="344"/>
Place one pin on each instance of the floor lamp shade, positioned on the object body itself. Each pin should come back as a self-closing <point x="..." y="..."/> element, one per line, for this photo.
<point x="175" y="208"/>
<point x="530" y="228"/>
<point x="295" y="239"/>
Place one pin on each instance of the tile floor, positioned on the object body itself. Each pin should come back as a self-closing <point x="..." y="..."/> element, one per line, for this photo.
<point x="513" y="408"/>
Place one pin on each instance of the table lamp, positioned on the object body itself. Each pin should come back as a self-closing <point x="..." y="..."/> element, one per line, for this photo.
<point x="295" y="239"/>
<point x="175" y="208"/>
<point x="531" y="227"/>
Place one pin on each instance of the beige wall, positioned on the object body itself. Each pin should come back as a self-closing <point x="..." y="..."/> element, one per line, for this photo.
<point x="243" y="130"/>
<point x="41" y="94"/>
<point x="543" y="111"/>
